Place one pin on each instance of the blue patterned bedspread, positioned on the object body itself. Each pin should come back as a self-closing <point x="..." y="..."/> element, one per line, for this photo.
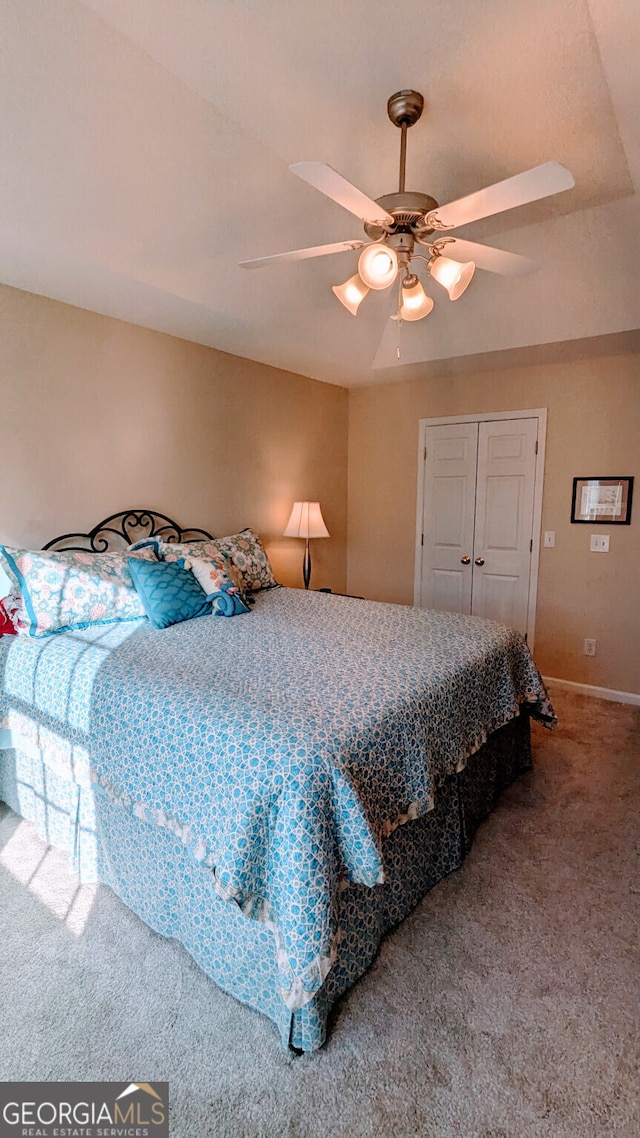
<point x="281" y="746"/>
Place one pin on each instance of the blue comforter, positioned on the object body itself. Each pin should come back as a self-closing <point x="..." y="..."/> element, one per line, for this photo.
<point x="281" y="746"/>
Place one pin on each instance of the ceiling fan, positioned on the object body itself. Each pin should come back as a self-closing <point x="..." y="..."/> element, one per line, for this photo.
<point x="400" y="224"/>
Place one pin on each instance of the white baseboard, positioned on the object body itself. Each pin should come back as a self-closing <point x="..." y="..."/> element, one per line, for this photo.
<point x="592" y="690"/>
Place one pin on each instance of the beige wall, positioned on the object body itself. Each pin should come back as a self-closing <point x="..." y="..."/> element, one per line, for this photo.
<point x="98" y="416"/>
<point x="593" y="429"/>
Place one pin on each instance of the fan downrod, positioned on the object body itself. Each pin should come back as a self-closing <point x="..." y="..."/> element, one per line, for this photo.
<point x="405" y="107"/>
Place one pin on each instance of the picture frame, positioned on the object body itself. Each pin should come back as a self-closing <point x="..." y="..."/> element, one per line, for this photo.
<point x="602" y="501"/>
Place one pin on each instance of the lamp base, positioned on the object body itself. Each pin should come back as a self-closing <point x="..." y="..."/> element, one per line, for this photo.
<point x="306" y="565"/>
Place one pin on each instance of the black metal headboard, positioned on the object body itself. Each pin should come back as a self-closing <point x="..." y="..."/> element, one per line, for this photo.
<point x="120" y="530"/>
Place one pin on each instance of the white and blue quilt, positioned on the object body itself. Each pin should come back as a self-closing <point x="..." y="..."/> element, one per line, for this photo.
<point x="281" y="746"/>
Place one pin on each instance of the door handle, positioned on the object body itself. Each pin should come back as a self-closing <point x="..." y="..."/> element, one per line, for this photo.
<point x="465" y="560"/>
<point x="479" y="561"/>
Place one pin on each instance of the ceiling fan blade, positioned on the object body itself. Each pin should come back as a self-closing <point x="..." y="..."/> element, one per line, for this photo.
<point x="331" y="183"/>
<point x="302" y="254"/>
<point x="539" y="182"/>
<point x="488" y="258"/>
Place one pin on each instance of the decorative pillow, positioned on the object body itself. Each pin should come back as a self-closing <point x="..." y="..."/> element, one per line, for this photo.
<point x="13" y="607"/>
<point x="202" y="551"/>
<point x="7" y="626"/>
<point x="247" y="554"/>
<point x="169" y="592"/>
<point x="176" y="550"/>
<point x="220" y="588"/>
<point x="153" y="543"/>
<point x="73" y="589"/>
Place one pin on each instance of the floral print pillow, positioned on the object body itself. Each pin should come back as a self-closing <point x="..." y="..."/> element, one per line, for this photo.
<point x="62" y="591"/>
<point x="210" y="573"/>
<point x="177" y="550"/>
<point x="247" y="554"/>
<point x="248" y="563"/>
<point x="206" y="552"/>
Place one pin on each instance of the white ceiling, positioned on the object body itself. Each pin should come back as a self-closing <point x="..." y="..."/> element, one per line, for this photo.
<point x="144" y="149"/>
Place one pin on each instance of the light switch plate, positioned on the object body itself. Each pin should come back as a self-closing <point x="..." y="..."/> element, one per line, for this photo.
<point x="599" y="543"/>
<point x="549" y="538"/>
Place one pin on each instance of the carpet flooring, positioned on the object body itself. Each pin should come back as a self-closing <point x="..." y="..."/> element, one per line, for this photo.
<point x="505" y="1006"/>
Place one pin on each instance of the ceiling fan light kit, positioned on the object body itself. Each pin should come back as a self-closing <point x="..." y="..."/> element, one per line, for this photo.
<point x="378" y="265"/>
<point x="414" y="302"/>
<point x="455" y="276"/>
<point x="351" y="293"/>
<point x="396" y="223"/>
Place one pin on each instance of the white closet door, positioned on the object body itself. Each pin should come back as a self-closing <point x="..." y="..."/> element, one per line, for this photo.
<point x="504" y="520"/>
<point x="448" y="517"/>
<point x="478" y="488"/>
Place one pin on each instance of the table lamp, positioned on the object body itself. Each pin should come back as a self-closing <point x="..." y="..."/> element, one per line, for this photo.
<point x="306" y="521"/>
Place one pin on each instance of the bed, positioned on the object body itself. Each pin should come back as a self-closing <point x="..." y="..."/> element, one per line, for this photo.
<point x="275" y="791"/>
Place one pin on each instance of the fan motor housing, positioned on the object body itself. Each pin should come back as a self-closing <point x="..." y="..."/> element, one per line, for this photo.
<point x="405" y="107"/>
<point x="408" y="211"/>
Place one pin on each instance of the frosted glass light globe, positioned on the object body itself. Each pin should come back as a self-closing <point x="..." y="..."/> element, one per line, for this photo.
<point x="378" y="265"/>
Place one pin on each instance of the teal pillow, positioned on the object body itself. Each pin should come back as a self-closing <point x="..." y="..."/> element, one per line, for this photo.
<point x="169" y="592"/>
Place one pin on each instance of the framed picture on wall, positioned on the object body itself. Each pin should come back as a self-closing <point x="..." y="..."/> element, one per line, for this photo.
<point x="602" y="501"/>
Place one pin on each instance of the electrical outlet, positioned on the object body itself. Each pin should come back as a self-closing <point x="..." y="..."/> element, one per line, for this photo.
<point x="590" y="647"/>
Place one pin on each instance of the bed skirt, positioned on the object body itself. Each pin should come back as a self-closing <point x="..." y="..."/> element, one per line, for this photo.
<point x="150" y="870"/>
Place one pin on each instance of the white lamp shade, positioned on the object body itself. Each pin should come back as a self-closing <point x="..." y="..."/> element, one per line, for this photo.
<point x="351" y="293"/>
<point x="378" y="265"/>
<point x="415" y="303"/>
<point x="306" y="521"/>
<point x="455" y="276"/>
